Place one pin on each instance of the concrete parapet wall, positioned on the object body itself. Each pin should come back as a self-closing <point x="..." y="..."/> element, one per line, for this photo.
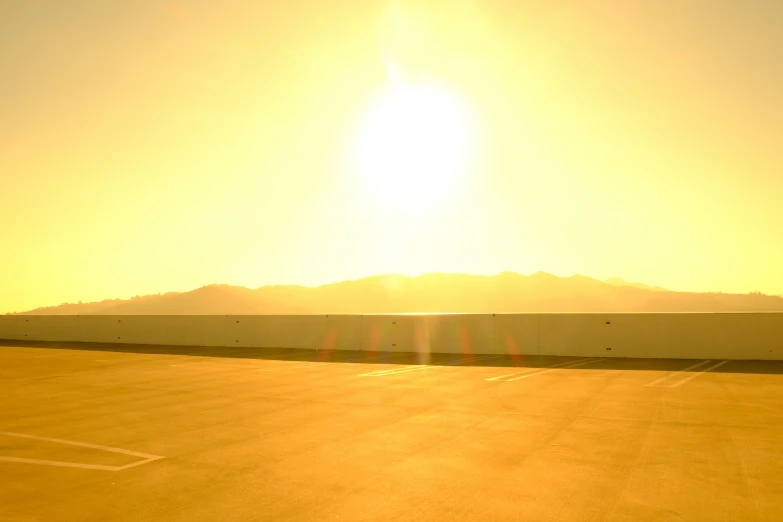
<point x="181" y="330"/>
<point x="465" y="334"/>
<point x="9" y="327"/>
<point x="685" y="336"/>
<point x="517" y="334"/>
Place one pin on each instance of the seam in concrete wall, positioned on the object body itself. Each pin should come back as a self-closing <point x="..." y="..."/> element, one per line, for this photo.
<point x="538" y="336"/>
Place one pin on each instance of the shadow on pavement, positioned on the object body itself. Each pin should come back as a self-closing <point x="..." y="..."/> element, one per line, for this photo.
<point x="402" y="358"/>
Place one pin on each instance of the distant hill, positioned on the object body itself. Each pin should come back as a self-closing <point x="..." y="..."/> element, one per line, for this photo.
<point x="503" y="293"/>
<point x="616" y="281"/>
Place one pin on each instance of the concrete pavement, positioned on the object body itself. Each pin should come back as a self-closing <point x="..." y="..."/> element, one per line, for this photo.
<point x="123" y="432"/>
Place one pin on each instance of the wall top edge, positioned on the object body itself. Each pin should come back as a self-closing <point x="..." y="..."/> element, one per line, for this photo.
<point x="413" y="314"/>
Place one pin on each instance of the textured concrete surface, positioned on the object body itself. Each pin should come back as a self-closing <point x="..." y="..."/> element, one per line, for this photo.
<point x="129" y="433"/>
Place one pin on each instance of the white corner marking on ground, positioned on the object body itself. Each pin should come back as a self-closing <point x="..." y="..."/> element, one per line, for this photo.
<point x="146" y="457"/>
<point x="565" y="367"/>
<point x="315" y="364"/>
<point x="705" y="370"/>
<point x="292" y="367"/>
<point x="394" y="371"/>
<point x="381" y="373"/>
<point x="534" y="369"/>
<point x="656" y="382"/>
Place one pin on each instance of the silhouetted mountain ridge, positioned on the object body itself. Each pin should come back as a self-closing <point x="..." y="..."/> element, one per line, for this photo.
<point x="507" y="292"/>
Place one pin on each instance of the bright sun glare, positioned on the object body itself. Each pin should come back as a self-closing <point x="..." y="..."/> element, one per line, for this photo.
<point x="413" y="145"/>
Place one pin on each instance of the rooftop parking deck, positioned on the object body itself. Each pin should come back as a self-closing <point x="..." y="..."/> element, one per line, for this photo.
<point x="93" y="431"/>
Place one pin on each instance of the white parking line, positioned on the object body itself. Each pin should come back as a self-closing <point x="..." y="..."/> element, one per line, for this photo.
<point x="678" y="372"/>
<point x="210" y="361"/>
<point x="315" y="364"/>
<point x="292" y="367"/>
<point x="530" y="370"/>
<point x="201" y="364"/>
<point x="394" y="371"/>
<point x="299" y="364"/>
<point x="125" y="359"/>
<point x="404" y="369"/>
<point x="563" y="367"/>
<point x="185" y="365"/>
<point x="145" y="457"/>
<point x="680" y="383"/>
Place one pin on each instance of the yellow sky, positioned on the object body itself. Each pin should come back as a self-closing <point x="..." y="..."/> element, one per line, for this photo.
<point x="150" y="145"/>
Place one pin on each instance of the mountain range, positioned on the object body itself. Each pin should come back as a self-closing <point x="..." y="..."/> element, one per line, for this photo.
<point x="507" y="292"/>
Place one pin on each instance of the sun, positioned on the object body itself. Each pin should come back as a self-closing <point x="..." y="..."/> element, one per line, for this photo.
<point x="413" y="145"/>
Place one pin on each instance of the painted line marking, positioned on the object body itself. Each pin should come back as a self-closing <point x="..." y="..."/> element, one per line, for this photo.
<point x="424" y="366"/>
<point x="388" y="355"/>
<point x="209" y="361"/>
<point x="120" y="359"/>
<point x="381" y="373"/>
<point x="565" y="367"/>
<point x="145" y="457"/>
<point x="316" y="364"/>
<point x="532" y="369"/>
<point x="656" y="382"/>
<point x="705" y="370"/>
<point x="394" y="371"/>
<point x="300" y="364"/>
<point x="200" y="364"/>
<point x="293" y="367"/>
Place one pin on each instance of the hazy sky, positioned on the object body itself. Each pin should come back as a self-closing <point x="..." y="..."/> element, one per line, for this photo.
<point x="155" y="145"/>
